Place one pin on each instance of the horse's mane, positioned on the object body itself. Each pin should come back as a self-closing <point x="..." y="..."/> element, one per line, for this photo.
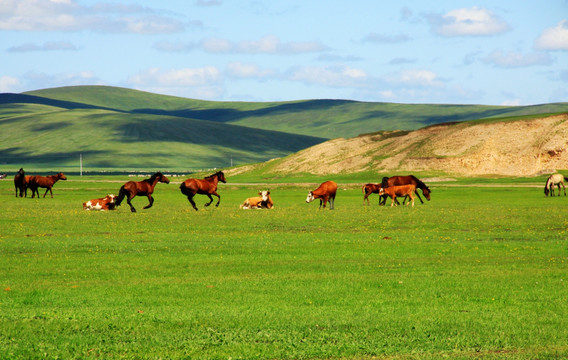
<point x="153" y="177"/>
<point x="213" y="175"/>
<point x="419" y="183"/>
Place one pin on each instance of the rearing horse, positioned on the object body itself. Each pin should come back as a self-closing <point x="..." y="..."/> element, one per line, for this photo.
<point x="144" y="187"/>
<point x="554" y="180"/>
<point x="36" y="181"/>
<point x="207" y="186"/>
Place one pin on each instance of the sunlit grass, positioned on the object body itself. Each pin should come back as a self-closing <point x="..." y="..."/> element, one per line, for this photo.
<point x="475" y="272"/>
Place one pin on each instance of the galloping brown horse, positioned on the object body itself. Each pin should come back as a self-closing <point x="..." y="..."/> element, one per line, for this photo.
<point x="207" y="186"/>
<point x="36" y="181"/>
<point x="144" y="187"/>
<point x="406" y="180"/>
<point x="20" y="182"/>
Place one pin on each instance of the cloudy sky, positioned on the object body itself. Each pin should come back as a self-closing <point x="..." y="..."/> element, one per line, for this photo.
<point x="447" y="51"/>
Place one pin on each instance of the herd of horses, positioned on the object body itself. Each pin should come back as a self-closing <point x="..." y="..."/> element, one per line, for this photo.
<point x="394" y="187"/>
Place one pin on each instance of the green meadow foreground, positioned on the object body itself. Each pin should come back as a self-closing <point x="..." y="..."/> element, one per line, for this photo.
<point x="478" y="272"/>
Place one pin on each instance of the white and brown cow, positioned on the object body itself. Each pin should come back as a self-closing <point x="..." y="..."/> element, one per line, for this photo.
<point x="106" y="203"/>
<point x="262" y="201"/>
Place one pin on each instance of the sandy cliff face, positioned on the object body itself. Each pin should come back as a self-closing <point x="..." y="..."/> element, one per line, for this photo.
<point x="515" y="148"/>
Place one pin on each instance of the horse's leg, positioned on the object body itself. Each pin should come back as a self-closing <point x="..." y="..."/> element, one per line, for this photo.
<point x="394" y="202"/>
<point x="210" y="200"/>
<point x="218" y="198"/>
<point x="190" y="198"/>
<point x="151" y="200"/>
<point x="46" y="190"/>
<point x="128" y="198"/>
<point x="563" y="187"/>
<point x="419" y="198"/>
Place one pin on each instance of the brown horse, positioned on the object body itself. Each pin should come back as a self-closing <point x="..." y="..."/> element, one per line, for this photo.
<point x="144" y="187"/>
<point x="369" y="189"/>
<point x="20" y="182"/>
<point x="207" y="186"/>
<point x="326" y="191"/>
<point x="398" y="191"/>
<point x="406" y="180"/>
<point x="36" y="181"/>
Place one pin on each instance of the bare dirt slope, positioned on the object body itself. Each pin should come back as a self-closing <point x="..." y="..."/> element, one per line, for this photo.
<point x="512" y="148"/>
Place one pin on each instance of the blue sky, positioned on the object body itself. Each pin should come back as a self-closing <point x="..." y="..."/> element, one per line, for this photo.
<point x="453" y="52"/>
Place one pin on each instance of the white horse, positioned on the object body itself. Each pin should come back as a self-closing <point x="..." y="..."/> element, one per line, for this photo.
<point x="552" y="181"/>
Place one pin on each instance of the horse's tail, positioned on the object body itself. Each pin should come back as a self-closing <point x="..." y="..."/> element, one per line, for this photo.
<point x="364" y="189"/>
<point x="121" y="194"/>
<point x="565" y="178"/>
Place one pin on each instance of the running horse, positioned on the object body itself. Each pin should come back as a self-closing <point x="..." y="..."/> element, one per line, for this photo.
<point x="552" y="181"/>
<point x="206" y="186"/>
<point x="36" y="181"/>
<point x="144" y="187"/>
<point x="406" y="180"/>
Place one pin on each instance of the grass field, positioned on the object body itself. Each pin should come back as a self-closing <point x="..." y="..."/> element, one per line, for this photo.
<point x="478" y="272"/>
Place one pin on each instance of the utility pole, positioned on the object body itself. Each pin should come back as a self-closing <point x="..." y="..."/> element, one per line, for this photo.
<point x="81" y="164"/>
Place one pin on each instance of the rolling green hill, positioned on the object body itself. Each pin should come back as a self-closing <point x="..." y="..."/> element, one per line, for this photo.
<point x="117" y="128"/>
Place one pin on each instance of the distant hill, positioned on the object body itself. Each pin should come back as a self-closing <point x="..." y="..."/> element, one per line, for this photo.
<point x="320" y="118"/>
<point x="117" y="128"/>
<point x="513" y="146"/>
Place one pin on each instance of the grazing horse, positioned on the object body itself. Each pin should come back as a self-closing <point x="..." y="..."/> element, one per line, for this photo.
<point x="554" y="180"/>
<point x="326" y="191"/>
<point x="369" y="189"/>
<point x="207" y="186"/>
<point x="262" y="201"/>
<point x="144" y="187"/>
<point x="406" y="180"/>
<point x="20" y="182"/>
<point x="36" y="181"/>
<point x="398" y="191"/>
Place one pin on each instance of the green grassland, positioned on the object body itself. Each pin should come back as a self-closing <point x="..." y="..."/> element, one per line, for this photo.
<point x="478" y="272"/>
<point x="124" y="129"/>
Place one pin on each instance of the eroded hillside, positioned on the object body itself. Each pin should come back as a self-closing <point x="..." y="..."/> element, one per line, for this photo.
<point x="513" y="148"/>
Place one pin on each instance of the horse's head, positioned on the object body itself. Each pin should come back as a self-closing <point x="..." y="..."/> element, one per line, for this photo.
<point x="310" y="197"/>
<point x="221" y="177"/>
<point x="426" y="192"/>
<point x="61" y="176"/>
<point x="163" y="179"/>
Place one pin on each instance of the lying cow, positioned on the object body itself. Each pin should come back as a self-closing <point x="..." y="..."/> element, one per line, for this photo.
<point x="262" y="201"/>
<point x="106" y="203"/>
<point x="398" y="191"/>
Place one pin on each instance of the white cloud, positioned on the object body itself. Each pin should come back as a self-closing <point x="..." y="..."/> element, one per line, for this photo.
<point x="248" y="71"/>
<point x="415" y="77"/>
<point x="48" y="46"/>
<point x="9" y="84"/>
<point x="475" y="21"/>
<point x="386" y="39"/>
<point x="334" y="76"/>
<point x="555" y="38"/>
<point x="517" y="59"/>
<point x="178" y="77"/>
<point x="201" y="83"/>
<point x="68" y="15"/>
<point x="266" y="45"/>
<point x="37" y="80"/>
